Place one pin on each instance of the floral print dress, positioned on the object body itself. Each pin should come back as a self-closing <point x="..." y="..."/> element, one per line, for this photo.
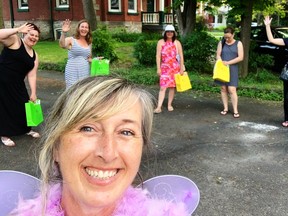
<point x="169" y="64"/>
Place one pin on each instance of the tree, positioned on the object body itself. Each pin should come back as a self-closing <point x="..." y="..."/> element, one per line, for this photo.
<point x="89" y="13"/>
<point x="187" y="18"/>
<point x="245" y="10"/>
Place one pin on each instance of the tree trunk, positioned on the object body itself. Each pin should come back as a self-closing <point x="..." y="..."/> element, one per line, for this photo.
<point x="187" y="18"/>
<point x="89" y="13"/>
<point x="246" y="19"/>
<point x="189" y="12"/>
<point x="179" y="21"/>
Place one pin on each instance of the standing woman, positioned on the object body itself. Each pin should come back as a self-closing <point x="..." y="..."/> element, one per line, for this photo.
<point x="79" y="51"/>
<point x="279" y="42"/>
<point x="169" y="49"/>
<point x="18" y="60"/>
<point x="231" y="53"/>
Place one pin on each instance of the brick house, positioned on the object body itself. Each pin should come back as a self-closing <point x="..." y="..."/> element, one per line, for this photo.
<point x="134" y="15"/>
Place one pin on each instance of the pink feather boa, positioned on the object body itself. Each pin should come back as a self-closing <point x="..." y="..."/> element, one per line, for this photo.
<point x="135" y="202"/>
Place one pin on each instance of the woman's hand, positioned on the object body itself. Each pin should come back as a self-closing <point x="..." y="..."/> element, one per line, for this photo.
<point x="33" y="97"/>
<point x="226" y="63"/>
<point x="267" y="20"/>
<point x="25" y="28"/>
<point x="66" y="25"/>
<point x="159" y="72"/>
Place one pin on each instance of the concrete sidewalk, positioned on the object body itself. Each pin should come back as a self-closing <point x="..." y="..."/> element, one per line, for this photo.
<point x="240" y="165"/>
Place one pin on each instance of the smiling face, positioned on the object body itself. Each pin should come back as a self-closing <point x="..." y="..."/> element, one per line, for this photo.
<point x="83" y="29"/>
<point x="31" y="38"/>
<point x="99" y="159"/>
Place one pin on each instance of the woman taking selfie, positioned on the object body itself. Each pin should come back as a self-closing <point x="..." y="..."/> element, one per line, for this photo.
<point x="95" y="135"/>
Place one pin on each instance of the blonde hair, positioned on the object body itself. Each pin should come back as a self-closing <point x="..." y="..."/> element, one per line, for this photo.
<point x="93" y="97"/>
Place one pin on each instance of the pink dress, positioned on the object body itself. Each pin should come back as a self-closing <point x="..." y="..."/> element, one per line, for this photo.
<point x="169" y="64"/>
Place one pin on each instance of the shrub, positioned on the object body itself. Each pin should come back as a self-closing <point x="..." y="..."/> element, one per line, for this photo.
<point x="126" y="37"/>
<point x="199" y="51"/>
<point x="103" y="44"/>
<point x="259" y="62"/>
<point x="145" y="52"/>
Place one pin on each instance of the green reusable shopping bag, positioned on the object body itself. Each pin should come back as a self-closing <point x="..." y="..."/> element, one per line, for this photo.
<point x="99" y="67"/>
<point x="34" y="114"/>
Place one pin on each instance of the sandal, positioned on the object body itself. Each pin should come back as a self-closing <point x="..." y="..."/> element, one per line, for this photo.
<point x="157" y="111"/>
<point x="33" y="134"/>
<point x="285" y="124"/>
<point x="7" y="141"/>
<point x="236" y="115"/>
<point x="224" y="112"/>
<point x="170" y="108"/>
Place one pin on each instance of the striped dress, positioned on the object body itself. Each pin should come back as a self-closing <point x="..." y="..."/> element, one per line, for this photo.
<point x="77" y="66"/>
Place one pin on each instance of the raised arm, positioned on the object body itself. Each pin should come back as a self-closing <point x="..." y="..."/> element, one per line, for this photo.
<point x="8" y="37"/>
<point x="65" y="42"/>
<point x="277" y="41"/>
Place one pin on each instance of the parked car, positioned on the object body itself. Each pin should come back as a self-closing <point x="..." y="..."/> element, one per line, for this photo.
<point x="263" y="46"/>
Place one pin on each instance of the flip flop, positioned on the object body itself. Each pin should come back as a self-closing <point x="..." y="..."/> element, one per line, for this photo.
<point x="33" y="134"/>
<point x="224" y="112"/>
<point x="7" y="142"/>
<point x="285" y="124"/>
<point x="157" y="111"/>
<point x="236" y="115"/>
<point x="170" y="109"/>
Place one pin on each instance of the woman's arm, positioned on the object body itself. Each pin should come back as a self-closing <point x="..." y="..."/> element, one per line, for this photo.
<point x="158" y="56"/>
<point x="219" y="50"/>
<point x="32" y="76"/>
<point x="8" y="37"/>
<point x="277" y="41"/>
<point x="65" y="42"/>
<point x="90" y="56"/>
<point x="180" y="52"/>
<point x="240" y="56"/>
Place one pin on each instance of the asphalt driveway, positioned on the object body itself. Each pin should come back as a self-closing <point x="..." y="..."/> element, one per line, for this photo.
<point x="240" y="165"/>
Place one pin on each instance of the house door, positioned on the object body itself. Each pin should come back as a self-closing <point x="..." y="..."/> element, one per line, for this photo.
<point x="150" y="5"/>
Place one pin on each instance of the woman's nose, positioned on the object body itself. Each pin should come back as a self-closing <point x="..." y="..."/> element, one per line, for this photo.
<point x="107" y="148"/>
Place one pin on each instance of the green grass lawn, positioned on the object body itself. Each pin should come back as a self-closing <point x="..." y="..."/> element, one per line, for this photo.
<point x="216" y="34"/>
<point x="50" y="52"/>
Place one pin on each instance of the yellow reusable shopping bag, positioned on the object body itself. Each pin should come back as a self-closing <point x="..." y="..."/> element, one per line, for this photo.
<point x="182" y="82"/>
<point x="221" y="72"/>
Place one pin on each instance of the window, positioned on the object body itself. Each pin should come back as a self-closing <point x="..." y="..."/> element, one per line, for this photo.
<point x="114" y="5"/>
<point x="220" y="18"/>
<point x="62" y="3"/>
<point x="23" y="4"/>
<point x="132" y="6"/>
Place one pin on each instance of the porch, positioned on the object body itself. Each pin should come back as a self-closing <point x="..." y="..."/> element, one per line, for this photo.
<point x="156" y="21"/>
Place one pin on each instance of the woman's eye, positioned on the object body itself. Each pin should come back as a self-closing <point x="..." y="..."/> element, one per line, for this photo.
<point x="128" y="133"/>
<point x="86" y="129"/>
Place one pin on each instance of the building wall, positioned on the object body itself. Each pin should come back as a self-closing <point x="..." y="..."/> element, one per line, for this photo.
<point x="50" y="22"/>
